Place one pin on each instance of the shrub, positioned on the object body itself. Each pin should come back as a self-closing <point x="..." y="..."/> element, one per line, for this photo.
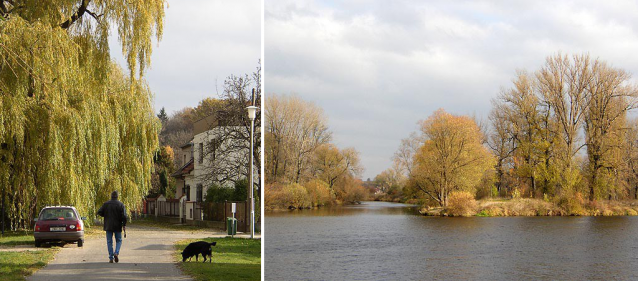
<point x="461" y="203"/>
<point x="297" y="196"/>
<point x="516" y="194"/>
<point x="319" y="193"/>
<point x="274" y="197"/>
<point x="573" y="205"/>
<point x="218" y="194"/>
<point x="353" y="193"/>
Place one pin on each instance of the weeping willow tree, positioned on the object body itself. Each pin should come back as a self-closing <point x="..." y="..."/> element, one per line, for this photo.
<point x="73" y="125"/>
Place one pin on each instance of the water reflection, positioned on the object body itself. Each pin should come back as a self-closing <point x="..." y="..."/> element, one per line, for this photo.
<point x="350" y="210"/>
<point x="380" y="241"/>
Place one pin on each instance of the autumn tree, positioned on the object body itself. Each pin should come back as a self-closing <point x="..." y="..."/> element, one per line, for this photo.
<point x="209" y="106"/>
<point x="610" y="97"/>
<point x="294" y="130"/>
<point x="330" y="164"/>
<point x="163" y="167"/>
<point x="562" y="85"/>
<point x="177" y="131"/>
<point x="452" y="157"/>
<point x="630" y="157"/>
<point x="73" y="126"/>
<point x="390" y="180"/>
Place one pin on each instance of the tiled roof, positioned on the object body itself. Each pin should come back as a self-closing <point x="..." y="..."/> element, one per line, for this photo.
<point x="184" y="170"/>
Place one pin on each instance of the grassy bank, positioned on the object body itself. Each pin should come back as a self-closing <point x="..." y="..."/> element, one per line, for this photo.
<point x="15" y="265"/>
<point x="535" y="207"/>
<point x="233" y="259"/>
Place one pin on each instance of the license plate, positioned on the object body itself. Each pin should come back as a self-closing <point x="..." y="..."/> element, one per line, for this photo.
<point x="58" y="228"/>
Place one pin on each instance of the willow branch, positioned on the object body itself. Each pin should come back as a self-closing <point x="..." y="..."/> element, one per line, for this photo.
<point x="81" y="10"/>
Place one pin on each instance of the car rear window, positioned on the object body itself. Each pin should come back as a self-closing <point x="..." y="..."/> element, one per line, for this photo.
<point x="58" y="214"/>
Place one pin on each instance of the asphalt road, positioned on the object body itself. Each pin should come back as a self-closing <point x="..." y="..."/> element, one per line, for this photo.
<point x="146" y="254"/>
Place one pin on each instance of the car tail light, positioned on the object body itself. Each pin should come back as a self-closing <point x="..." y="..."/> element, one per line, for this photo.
<point x="78" y="226"/>
<point x="37" y="227"/>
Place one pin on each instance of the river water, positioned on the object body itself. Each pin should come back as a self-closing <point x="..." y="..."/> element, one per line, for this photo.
<point x="390" y="241"/>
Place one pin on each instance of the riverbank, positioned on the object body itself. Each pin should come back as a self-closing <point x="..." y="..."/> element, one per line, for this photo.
<point x="275" y="208"/>
<point x="536" y="207"/>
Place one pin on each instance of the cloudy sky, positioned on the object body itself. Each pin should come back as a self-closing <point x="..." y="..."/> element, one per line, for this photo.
<point x="377" y="67"/>
<point x="204" y="42"/>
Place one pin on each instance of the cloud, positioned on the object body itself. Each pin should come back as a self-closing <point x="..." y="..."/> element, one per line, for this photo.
<point x="204" y="42"/>
<point x="377" y="67"/>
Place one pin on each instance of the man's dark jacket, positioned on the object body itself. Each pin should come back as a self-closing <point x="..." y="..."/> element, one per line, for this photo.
<point x="114" y="214"/>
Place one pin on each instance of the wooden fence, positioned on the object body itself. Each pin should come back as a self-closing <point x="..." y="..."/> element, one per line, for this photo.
<point x="216" y="212"/>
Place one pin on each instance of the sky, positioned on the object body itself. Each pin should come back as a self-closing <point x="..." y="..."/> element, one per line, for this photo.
<point x="378" y="67"/>
<point x="204" y="42"/>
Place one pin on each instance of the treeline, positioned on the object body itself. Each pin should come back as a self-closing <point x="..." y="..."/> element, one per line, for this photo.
<point x="73" y="126"/>
<point x="303" y="169"/>
<point x="560" y="134"/>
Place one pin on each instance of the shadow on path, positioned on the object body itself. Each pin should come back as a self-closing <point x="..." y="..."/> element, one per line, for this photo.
<point x="146" y="254"/>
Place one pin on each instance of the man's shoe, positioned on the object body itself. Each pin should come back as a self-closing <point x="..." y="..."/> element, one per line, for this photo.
<point x="116" y="259"/>
<point x="110" y="260"/>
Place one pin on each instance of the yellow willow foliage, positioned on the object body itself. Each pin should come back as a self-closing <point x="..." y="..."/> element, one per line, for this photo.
<point x="73" y="126"/>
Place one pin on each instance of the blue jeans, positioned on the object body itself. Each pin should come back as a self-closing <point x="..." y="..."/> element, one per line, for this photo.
<point x="109" y="242"/>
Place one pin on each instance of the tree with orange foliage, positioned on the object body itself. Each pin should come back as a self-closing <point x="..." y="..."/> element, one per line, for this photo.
<point x="452" y="158"/>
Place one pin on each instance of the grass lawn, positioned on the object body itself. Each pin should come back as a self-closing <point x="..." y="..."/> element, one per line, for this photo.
<point x="13" y="238"/>
<point x="233" y="259"/>
<point x="14" y="265"/>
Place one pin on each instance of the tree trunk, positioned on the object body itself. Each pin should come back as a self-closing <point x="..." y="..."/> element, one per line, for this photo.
<point x="533" y="178"/>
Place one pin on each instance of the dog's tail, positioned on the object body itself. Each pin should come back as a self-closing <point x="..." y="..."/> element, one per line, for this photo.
<point x="213" y="243"/>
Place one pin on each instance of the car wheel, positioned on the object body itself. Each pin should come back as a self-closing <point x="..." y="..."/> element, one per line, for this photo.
<point x="37" y="243"/>
<point x="80" y="243"/>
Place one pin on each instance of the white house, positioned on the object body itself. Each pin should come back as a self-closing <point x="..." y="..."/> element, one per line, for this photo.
<point x="203" y="165"/>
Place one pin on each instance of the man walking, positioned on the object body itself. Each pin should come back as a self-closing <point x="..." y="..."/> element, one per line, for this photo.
<point x="115" y="218"/>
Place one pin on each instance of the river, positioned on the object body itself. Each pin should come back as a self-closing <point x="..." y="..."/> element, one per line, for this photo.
<point x="390" y="241"/>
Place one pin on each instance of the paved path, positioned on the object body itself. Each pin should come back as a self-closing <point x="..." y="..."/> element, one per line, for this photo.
<point x="146" y="254"/>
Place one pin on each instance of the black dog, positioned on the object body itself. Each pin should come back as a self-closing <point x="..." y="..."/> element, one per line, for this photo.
<point x="197" y="248"/>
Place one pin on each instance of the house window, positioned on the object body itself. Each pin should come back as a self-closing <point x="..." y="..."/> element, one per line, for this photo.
<point x="201" y="153"/>
<point x="188" y="193"/>
<point x="200" y="193"/>
<point x="213" y="149"/>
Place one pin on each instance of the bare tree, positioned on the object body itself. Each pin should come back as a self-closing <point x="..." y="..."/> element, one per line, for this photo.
<point x="501" y="142"/>
<point x="403" y="158"/>
<point x="227" y="149"/>
<point x="563" y="85"/>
